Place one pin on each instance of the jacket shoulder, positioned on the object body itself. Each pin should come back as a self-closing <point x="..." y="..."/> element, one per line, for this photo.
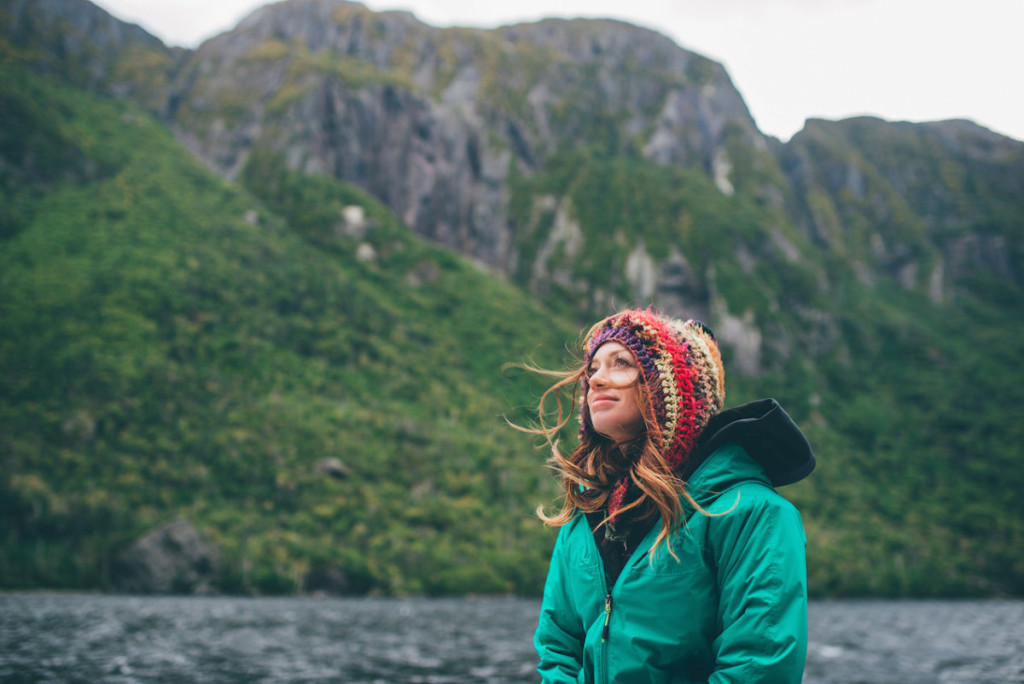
<point x="753" y="515"/>
<point x="752" y="498"/>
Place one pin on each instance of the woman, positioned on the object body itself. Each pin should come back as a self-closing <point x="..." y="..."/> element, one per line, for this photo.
<point x="677" y="561"/>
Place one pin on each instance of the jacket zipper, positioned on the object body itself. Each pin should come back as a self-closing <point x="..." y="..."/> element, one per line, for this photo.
<point x="607" y="617"/>
<point x="608" y="600"/>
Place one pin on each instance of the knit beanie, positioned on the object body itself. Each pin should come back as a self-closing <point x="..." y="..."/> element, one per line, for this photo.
<point x="682" y="370"/>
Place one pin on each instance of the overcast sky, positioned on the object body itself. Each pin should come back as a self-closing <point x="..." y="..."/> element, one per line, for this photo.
<point x="914" y="60"/>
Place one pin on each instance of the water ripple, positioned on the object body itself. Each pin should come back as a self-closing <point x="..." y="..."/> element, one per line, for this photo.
<point x="129" y="640"/>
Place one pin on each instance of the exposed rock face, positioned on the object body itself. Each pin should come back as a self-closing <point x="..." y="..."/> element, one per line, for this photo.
<point x="431" y="120"/>
<point x="924" y="204"/>
<point x="332" y="467"/>
<point x="439" y="123"/>
<point x="172" y="559"/>
<point x="744" y="337"/>
<point x="641" y="273"/>
<point x="565" y="235"/>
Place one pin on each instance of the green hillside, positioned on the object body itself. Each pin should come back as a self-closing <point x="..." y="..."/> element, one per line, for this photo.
<point x="909" y="403"/>
<point x="177" y="345"/>
<point x="172" y="347"/>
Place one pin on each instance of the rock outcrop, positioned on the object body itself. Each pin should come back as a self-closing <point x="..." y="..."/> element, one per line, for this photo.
<point x="173" y="559"/>
<point x="926" y="205"/>
<point x="83" y="44"/>
<point x="431" y="121"/>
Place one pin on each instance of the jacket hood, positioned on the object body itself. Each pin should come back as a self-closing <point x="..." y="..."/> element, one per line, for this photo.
<point x="768" y="435"/>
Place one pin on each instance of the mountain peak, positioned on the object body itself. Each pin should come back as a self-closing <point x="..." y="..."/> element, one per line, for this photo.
<point x="87" y="46"/>
<point x="433" y="120"/>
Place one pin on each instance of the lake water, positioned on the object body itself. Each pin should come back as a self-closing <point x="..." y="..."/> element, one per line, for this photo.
<point x="61" y="638"/>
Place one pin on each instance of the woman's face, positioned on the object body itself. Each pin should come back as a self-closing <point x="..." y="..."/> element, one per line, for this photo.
<point x="613" y="393"/>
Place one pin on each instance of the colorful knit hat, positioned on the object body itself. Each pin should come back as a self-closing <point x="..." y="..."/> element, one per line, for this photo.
<point x="682" y="370"/>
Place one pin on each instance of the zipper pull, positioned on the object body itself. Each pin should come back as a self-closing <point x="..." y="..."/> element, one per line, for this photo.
<point x="607" y="617"/>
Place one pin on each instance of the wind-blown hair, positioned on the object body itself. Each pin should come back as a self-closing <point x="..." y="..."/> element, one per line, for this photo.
<point x="681" y="385"/>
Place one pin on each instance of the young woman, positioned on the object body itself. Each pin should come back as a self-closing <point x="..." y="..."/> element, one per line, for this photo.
<point x="677" y="561"/>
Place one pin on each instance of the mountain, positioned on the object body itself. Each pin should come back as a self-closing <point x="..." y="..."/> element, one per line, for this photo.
<point x="293" y="335"/>
<point x="929" y="205"/>
<point x="497" y="143"/>
<point x="82" y="43"/>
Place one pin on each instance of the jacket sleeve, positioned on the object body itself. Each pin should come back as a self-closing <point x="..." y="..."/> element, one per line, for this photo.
<point x="759" y="554"/>
<point x="560" y="634"/>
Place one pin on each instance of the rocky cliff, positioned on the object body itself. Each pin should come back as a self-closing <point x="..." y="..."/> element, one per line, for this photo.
<point x="592" y="161"/>
<point x="82" y="43"/>
<point x="929" y="205"/>
<point x="433" y="121"/>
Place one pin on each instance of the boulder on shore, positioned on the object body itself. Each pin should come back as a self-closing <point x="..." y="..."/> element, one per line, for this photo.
<point x="172" y="559"/>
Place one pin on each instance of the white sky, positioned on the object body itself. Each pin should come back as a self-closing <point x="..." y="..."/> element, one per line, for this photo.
<point x="914" y="60"/>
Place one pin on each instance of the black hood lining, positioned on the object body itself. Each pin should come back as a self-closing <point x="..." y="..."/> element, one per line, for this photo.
<point x="767" y="433"/>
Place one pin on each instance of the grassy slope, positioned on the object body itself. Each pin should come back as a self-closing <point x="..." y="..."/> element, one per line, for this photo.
<point x="910" y="406"/>
<point x="171" y="347"/>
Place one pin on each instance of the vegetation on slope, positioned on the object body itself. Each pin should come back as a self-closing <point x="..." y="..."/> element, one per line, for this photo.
<point x="908" y="403"/>
<point x="171" y="347"/>
<point x="177" y="345"/>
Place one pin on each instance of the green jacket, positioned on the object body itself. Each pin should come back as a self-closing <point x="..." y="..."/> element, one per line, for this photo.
<point x="732" y="608"/>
